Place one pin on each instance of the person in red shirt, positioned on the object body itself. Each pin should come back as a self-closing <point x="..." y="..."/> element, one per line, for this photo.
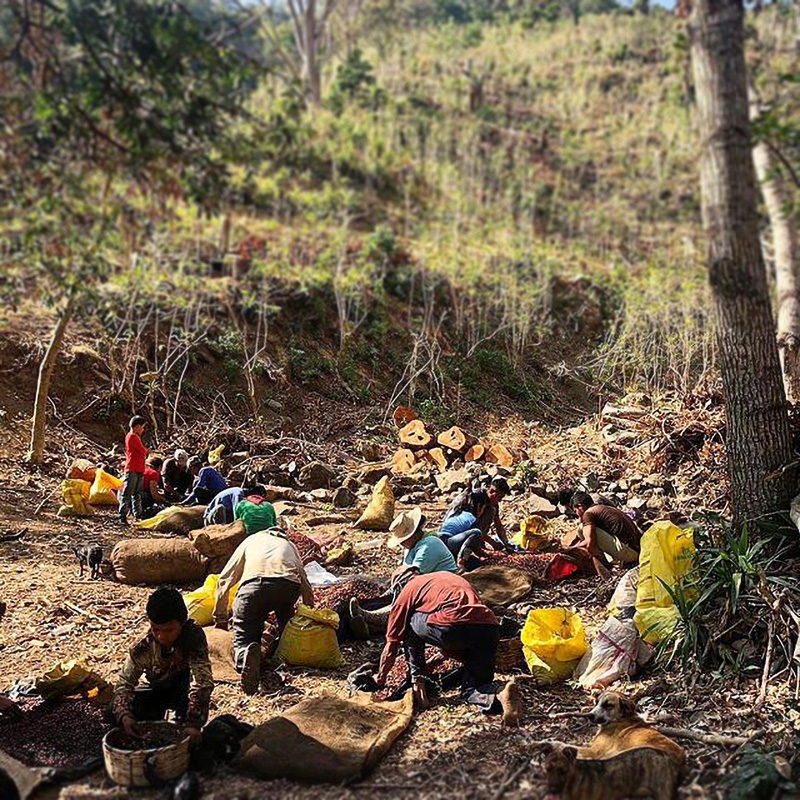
<point x="154" y="499"/>
<point x="135" y="454"/>
<point x="442" y="609"/>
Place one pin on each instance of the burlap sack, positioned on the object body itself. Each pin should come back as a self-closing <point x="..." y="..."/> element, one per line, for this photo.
<point x="220" y="652"/>
<point x="325" y="739"/>
<point x="219" y="541"/>
<point x="17" y="782"/>
<point x="154" y="561"/>
<point x="498" y="585"/>
<point x="175" y="519"/>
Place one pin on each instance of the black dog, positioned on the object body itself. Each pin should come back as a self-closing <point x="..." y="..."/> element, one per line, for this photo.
<point x="90" y="555"/>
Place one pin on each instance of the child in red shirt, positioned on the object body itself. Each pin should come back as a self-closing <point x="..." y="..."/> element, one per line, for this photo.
<point x="135" y="455"/>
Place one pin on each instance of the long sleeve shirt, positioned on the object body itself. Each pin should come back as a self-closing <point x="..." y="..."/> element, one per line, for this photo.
<point x="261" y="555"/>
<point x="160" y="665"/>
<point x="135" y="453"/>
<point x="209" y="479"/>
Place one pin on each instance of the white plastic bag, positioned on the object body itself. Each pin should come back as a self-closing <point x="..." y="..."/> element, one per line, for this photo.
<point x="617" y="651"/>
<point x="625" y="594"/>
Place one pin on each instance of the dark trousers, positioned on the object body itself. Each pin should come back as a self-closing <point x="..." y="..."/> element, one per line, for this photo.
<point x="254" y="602"/>
<point x="473" y="645"/>
<point x="130" y="498"/>
<point x="203" y="496"/>
<point x="151" y="702"/>
<point x="456" y="542"/>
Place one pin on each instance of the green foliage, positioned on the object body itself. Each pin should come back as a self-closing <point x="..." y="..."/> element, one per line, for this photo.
<point x="355" y="81"/>
<point x="732" y="574"/>
<point x="307" y="367"/>
<point x="755" y="778"/>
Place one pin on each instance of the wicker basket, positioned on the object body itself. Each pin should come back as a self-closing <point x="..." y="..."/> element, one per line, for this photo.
<point x="509" y="655"/>
<point x="137" y="767"/>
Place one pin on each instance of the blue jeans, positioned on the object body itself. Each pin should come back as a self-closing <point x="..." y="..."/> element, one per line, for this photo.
<point x="470" y="540"/>
<point x="473" y="645"/>
<point x="130" y="498"/>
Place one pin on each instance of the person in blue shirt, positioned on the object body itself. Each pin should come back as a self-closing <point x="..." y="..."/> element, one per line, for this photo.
<point x="462" y="535"/>
<point x="221" y="510"/>
<point x="423" y="555"/>
<point x="208" y="483"/>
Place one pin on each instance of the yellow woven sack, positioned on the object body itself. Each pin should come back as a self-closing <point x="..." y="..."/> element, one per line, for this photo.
<point x="215" y="456"/>
<point x="154" y="521"/>
<point x="532" y="533"/>
<point x="75" y="493"/>
<point x="379" y="513"/>
<point x="553" y="642"/>
<point x="200" y="602"/>
<point x="309" y="640"/>
<point x="667" y="553"/>
<point x="104" y="488"/>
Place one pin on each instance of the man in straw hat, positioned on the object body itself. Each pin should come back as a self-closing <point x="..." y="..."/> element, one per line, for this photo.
<point x="423" y="555"/>
<point x="442" y="609"/>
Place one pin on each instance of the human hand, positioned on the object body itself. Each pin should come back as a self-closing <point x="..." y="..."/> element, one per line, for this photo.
<point x="380" y="680"/>
<point x="131" y="728"/>
<point x="195" y="735"/>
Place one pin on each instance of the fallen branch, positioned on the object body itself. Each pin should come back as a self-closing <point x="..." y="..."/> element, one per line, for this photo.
<point x="710" y="738"/>
<point x="501" y="790"/>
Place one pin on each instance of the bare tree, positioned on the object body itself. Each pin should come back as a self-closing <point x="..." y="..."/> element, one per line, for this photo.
<point x="786" y="256"/>
<point x="758" y="441"/>
<point x="310" y="23"/>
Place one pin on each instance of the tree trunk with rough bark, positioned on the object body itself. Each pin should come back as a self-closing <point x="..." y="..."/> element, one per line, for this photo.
<point x="787" y="261"/>
<point x="39" y="424"/>
<point x="758" y="442"/>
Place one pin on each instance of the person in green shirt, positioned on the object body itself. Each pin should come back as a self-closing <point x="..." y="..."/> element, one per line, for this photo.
<point x="257" y="513"/>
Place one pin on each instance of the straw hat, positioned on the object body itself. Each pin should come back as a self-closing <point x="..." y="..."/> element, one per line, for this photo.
<point x="404" y="526"/>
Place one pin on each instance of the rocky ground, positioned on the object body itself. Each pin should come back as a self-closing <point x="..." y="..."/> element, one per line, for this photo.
<point x="449" y="751"/>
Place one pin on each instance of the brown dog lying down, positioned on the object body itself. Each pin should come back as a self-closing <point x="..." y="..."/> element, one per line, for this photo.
<point x="641" y="772"/>
<point x="626" y="758"/>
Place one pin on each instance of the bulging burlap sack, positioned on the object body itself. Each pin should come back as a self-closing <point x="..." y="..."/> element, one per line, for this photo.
<point x="499" y="585"/>
<point x="175" y="519"/>
<point x="219" y="541"/>
<point x="379" y="513"/>
<point x="155" y="561"/>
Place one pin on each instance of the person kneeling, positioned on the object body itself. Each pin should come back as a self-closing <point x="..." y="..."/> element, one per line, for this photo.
<point x="443" y="610"/>
<point x="173" y="658"/>
<point x="271" y="577"/>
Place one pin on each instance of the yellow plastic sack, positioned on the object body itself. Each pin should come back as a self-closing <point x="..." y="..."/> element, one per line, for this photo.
<point x="553" y="642"/>
<point x="532" y="533"/>
<point x="104" y="488"/>
<point x="156" y="520"/>
<point x="667" y="554"/>
<point x="75" y="493"/>
<point x="215" y="456"/>
<point x="379" y="513"/>
<point x="200" y="602"/>
<point x="72" y="678"/>
<point x="309" y="640"/>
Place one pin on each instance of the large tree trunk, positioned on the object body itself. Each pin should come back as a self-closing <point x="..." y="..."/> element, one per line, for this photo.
<point x="36" y="451"/>
<point x="787" y="265"/>
<point x="758" y="442"/>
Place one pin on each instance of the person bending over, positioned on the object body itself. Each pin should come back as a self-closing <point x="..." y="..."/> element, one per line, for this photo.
<point x="489" y="517"/>
<point x="208" y="483"/>
<point x="173" y="658"/>
<point x="424" y="554"/>
<point x="443" y="610"/>
<point x="177" y="478"/>
<point x="271" y="577"/>
<point x="463" y="536"/>
<point x="607" y="534"/>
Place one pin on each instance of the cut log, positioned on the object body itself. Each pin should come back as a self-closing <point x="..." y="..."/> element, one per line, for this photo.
<point x="414" y="434"/>
<point x="439" y="458"/>
<point x="403" y="461"/>
<point x="499" y="454"/>
<point x="403" y="415"/>
<point x="455" y="439"/>
<point x="475" y="453"/>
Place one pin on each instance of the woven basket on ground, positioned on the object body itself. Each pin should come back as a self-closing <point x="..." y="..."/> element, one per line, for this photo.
<point x="509" y="655"/>
<point x="151" y="765"/>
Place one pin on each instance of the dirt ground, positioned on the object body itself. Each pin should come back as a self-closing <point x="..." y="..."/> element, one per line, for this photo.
<point x="448" y="751"/>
